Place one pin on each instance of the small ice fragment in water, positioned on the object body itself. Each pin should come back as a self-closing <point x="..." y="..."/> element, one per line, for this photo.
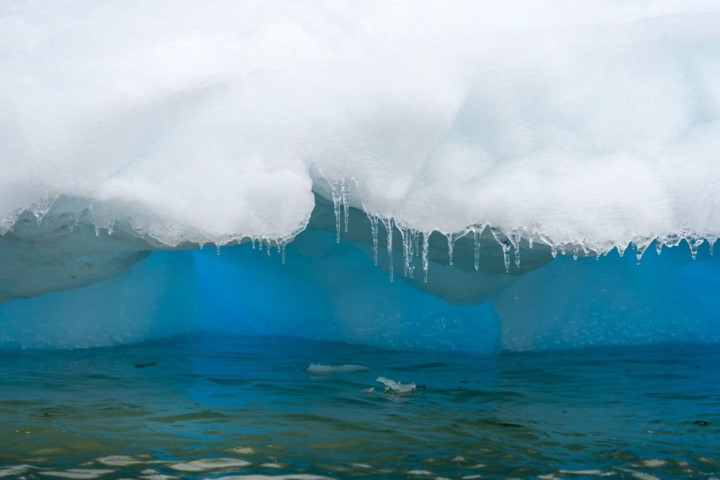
<point x="318" y="368"/>
<point x="391" y="386"/>
<point x="369" y="391"/>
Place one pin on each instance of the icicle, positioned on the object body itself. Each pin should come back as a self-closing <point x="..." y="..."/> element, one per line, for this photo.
<point x="408" y="244"/>
<point x="450" y="248"/>
<point x="345" y="193"/>
<point x="621" y="250"/>
<point x="260" y="244"/>
<point x="337" y="198"/>
<point x="389" y="229"/>
<point x="476" y="238"/>
<point x="694" y="244"/>
<point x="516" y="237"/>
<point x="553" y="250"/>
<point x="268" y="247"/>
<point x="503" y="241"/>
<point x="576" y="251"/>
<point x="506" y="256"/>
<point x="711" y="243"/>
<point x="252" y="242"/>
<point x="404" y="234"/>
<point x="374" y="229"/>
<point x="425" y="263"/>
<point x="217" y="249"/>
<point x="658" y="246"/>
<point x="282" y="251"/>
<point x="411" y="244"/>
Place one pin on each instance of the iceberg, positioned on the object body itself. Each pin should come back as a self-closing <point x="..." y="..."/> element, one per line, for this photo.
<point x="456" y="177"/>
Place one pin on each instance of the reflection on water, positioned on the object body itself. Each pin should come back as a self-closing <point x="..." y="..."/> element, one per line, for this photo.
<point x="212" y="407"/>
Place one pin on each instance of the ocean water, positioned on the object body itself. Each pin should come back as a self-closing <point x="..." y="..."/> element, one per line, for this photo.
<point x="246" y="407"/>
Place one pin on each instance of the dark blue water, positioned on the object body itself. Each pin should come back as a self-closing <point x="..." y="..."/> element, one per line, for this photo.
<point x="210" y="407"/>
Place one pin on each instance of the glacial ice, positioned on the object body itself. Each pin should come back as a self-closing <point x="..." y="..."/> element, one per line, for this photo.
<point x="459" y="153"/>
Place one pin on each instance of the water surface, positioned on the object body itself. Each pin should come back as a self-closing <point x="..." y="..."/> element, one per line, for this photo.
<point x="209" y="407"/>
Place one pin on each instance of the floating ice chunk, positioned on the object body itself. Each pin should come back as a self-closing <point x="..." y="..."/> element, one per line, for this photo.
<point x="391" y="386"/>
<point x="318" y="368"/>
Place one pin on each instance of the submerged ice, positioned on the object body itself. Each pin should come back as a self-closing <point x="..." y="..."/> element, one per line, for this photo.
<point x="465" y="152"/>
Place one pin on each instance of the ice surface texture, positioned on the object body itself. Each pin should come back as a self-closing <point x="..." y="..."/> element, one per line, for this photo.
<point x="568" y="127"/>
<point x="596" y="123"/>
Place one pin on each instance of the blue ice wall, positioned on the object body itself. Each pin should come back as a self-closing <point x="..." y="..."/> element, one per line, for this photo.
<point x="155" y="298"/>
<point x="614" y="300"/>
<point x="331" y="291"/>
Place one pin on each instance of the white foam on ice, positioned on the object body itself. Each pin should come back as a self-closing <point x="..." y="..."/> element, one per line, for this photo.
<point x="594" y="123"/>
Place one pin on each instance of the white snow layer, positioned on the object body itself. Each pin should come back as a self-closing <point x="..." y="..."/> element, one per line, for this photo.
<point x="595" y="123"/>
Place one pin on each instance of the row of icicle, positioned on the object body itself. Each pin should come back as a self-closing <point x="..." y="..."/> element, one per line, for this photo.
<point x="416" y="242"/>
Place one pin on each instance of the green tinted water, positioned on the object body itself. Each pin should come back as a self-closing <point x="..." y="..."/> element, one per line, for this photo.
<point x="211" y="407"/>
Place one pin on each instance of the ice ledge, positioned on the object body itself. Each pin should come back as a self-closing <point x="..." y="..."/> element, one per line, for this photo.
<point x="71" y="242"/>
